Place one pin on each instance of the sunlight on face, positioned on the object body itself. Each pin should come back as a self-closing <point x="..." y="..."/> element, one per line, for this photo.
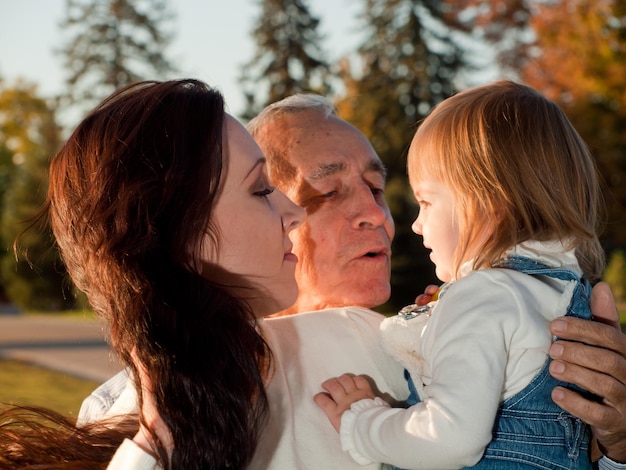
<point x="253" y="222"/>
<point x="437" y="223"/>
<point x="344" y="246"/>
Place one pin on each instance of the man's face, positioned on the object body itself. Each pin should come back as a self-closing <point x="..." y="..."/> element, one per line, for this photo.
<point x="344" y="246"/>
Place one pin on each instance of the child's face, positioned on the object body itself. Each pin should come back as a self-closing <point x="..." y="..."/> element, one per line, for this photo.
<point x="437" y="223"/>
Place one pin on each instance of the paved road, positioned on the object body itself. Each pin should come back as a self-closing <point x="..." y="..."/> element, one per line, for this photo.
<point x="74" y="346"/>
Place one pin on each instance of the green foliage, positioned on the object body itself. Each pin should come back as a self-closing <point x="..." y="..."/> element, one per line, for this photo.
<point x="407" y="65"/>
<point x="28" y="137"/>
<point x="289" y="58"/>
<point x="615" y="275"/>
<point x="113" y="43"/>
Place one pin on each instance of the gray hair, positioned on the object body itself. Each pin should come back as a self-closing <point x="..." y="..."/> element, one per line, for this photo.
<point x="292" y="104"/>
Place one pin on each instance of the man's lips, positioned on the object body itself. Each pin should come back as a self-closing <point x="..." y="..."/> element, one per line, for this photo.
<point x="376" y="253"/>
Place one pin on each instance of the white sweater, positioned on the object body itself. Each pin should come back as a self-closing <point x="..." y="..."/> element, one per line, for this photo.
<point x="485" y="341"/>
<point x="308" y="348"/>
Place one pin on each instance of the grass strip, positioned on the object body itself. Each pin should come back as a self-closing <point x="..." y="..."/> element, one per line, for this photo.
<point x="24" y="384"/>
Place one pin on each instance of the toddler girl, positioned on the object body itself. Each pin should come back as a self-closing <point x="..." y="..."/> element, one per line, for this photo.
<point x="509" y="201"/>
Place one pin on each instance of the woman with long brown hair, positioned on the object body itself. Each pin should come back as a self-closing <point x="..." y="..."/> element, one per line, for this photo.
<point x="165" y="217"/>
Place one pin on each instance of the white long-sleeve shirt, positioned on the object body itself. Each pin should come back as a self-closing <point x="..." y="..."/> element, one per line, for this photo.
<point x="485" y="341"/>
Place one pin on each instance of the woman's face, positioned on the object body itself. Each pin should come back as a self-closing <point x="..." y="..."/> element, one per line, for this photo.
<point x="253" y="221"/>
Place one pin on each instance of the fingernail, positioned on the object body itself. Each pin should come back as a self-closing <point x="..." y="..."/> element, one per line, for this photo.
<point x="556" y="350"/>
<point x="557" y="367"/>
<point x="558" y="326"/>
<point x="557" y="394"/>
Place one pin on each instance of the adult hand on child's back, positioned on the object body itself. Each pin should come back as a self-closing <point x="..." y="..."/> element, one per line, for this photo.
<point x="594" y="358"/>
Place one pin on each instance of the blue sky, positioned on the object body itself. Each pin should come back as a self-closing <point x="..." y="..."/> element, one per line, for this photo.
<point x="213" y="39"/>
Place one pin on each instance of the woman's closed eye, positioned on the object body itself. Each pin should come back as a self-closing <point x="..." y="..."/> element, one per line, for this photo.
<point x="264" y="192"/>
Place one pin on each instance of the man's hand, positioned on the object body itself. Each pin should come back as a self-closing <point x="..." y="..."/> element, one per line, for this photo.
<point x="342" y="392"/>
<point x="594" y="359"/>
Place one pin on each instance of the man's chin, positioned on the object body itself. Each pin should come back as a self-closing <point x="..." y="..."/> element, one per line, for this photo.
<point x="370" y="298"/>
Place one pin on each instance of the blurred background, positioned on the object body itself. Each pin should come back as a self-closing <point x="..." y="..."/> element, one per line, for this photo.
<point x="384" y="62"/>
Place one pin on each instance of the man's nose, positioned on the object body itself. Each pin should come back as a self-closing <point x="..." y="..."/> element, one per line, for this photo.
<point x="369" y="211"/>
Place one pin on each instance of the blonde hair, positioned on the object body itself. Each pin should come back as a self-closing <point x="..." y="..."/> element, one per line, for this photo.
<point x="516" y="163"/>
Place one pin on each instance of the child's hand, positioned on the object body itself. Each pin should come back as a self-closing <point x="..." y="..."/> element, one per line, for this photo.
<point x="428" y="295"/>
<point x="342" y="392"/>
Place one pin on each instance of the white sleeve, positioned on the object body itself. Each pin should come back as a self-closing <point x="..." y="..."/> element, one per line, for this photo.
<point x="96" y="406"/>
<point x="606" y="463"/>
<point x="465" y="352"/>
<point x="129" y="456"/>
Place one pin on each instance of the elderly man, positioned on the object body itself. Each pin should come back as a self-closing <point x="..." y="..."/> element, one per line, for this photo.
<point x="329" y="168"/>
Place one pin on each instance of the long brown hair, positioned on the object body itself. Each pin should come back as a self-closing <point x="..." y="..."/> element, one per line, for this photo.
<point x="42" y="439"/>
<point x="130" y="202"/>
<point x="515" y="163"/>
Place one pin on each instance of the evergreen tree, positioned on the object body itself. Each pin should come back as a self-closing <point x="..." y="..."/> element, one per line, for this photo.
<point x="29" y="136"/>
<point x="113" y="43"/>
<point x="289" y="57"/>
<point x="408" y="63"/>
<point x="499" y="25"/>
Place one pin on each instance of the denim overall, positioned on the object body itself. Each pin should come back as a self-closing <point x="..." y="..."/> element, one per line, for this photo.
<point x="530" y="430"/>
